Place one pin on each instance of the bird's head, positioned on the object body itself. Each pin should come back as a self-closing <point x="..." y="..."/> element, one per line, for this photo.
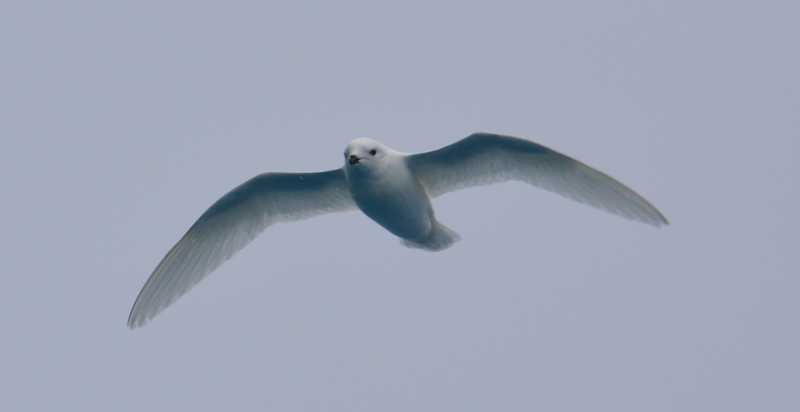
<point x="363" y="153"/>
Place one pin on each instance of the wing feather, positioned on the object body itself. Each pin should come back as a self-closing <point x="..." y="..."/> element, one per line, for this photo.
<point x="485" y="158"/>
<point x="230" y="224"/>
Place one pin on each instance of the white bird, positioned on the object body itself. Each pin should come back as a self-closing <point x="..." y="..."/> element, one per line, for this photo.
<point x="392" y="188"/>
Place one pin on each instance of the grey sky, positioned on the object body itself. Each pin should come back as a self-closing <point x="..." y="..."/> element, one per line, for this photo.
<point x="120" y="124"/>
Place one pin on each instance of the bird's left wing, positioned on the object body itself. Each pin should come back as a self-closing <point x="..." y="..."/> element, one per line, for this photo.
<point x="230" y="224"/>
<point x="485" y="158"/>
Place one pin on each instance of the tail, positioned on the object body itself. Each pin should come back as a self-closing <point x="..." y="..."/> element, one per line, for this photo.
<point x="441" y="238"/>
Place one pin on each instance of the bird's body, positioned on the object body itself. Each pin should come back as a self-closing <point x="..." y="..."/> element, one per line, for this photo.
<point x="392" y="188"/>
<point x="384" y="188"/>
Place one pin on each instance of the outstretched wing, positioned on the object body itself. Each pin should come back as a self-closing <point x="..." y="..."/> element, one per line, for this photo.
<point x="233" y="222"/>
<point x="484" y="158"/>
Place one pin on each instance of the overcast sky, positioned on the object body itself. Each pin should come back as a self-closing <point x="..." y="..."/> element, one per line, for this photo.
<point x="120" y="123"/>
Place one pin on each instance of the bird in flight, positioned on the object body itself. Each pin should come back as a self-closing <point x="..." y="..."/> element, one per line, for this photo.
<point x="392" y="188"/>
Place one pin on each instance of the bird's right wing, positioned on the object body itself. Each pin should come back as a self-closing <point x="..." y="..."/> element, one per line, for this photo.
<point x="230" y="224"/>
<point x="485" y="158"/>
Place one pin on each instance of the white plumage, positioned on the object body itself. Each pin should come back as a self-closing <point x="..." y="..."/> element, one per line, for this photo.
<point x="392" y="188"/>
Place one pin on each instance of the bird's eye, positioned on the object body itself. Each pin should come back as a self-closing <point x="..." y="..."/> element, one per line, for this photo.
<point x="373" y="152"/>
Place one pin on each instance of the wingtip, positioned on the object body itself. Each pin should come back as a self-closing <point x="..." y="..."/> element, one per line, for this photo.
<point x="132" y="324"/>
<point x="136" y="320"/>
<point x="662" y="219"/>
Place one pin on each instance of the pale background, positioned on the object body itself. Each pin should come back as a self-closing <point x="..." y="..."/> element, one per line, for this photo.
<point x="120" y="123"/>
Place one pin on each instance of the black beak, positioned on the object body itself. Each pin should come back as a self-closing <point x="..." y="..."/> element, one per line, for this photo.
<point x="353" y="159"/>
